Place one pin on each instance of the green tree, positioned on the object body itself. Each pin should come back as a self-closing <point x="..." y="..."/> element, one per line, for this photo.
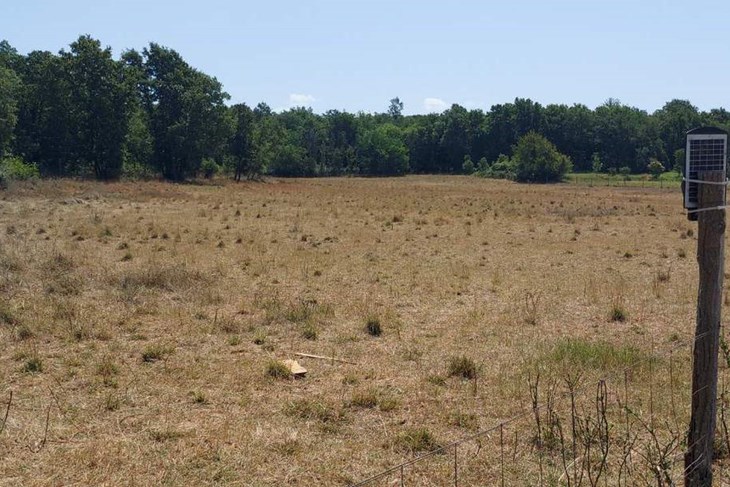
<point x="395" y="109"/>
<point x="44" y="130"/>
<point x="596" y="164"/>
<point x="381" y="151"/>
<point x="9" y="93"/>
<point x="536" y="159"/>
<point x="679" y="160"/>
<point x="100" y="101"/>
<point x="468" y="166"/>
<point x="674" y="119"/>
<point x="242" y="148"/>
<point x="656" y="168"/>
<point x="188" y="117"/>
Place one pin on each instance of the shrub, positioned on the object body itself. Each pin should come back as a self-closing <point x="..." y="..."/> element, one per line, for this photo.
<point x="536" y="159"/>
<point x="468" y="166"/>
<point x="656" y="168"/>
<point x="209" y="168"/>
<point x="502" y="168"/>
<point x="15" y="168"/>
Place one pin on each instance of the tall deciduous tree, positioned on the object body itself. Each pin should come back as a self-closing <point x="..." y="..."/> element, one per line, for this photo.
<point x="188" y="118"/>
<point x="100" y="107"/>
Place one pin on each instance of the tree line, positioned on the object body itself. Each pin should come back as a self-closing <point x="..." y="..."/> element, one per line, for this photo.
<point x="81" y="112"/>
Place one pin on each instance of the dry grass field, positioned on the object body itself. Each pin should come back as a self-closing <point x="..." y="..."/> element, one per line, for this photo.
<point x="141" y="325"/>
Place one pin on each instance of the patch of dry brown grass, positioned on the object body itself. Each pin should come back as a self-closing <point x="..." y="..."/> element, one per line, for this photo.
<point x="120" y="299"/>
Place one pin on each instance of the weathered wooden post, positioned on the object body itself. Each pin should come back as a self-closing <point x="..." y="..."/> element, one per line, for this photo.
<point x="704" y="191"/>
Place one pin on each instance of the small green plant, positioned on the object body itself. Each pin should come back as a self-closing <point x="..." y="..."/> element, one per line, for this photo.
<point x="373" y="327"/>
<point x="278" y="370"/>
<point x="463" y="367"/>
<point x="413" y="440"/>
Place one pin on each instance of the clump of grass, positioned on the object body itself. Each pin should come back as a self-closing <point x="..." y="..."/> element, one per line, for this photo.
<point x="23" y="332"/>
<point x="167" y="434"/>
<point x="596" y="355"/>
<point x="199" y="397"/>
<point x="463" y="420"/>
<point x="365" y="398"/>
<point x="33" y="364"/>
<point x="107" y="369"/>
<point x="7" y="317"/>
<point x="373" y="326"/>
<point x="462" y="366"/>
<point x="313" y="410"/>
<point x="59" y="263"/>
<point x="371" y="397"/>
<point x="156" y="352"/>
<point x="259" y="338"/>
<point x="278" y="370"/>
<point x="288" y="447"/>
<point x="127" y="257"/>
<point x="112" y="402"/>
<point x="413" y="440"/>
<point x="436" y="380"/>
<point x="309" y="331"/>
<point x="618" y="310"/>
<point x="166" y="278"/>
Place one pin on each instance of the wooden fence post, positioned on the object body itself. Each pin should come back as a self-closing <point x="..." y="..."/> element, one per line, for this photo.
<point x="710" y="257"/>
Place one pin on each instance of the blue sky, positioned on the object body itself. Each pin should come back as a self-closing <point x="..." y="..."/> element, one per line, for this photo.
<point x="357" y="55"/>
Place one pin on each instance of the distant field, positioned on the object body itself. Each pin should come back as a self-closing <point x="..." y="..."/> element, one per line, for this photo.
<point x="141" y="324"/>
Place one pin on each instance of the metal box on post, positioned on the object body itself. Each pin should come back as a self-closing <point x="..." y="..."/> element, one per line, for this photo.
<point x="706" y="150"/>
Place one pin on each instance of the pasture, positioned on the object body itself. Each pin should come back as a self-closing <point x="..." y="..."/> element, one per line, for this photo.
<point x="142" y="325"/>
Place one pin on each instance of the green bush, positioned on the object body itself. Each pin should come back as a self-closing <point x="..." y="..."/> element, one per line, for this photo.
<point x="502" y="168"/>
<point x="15" y="168"/>
<point x="536" y="159"/>
<point x="468" y="166"/>
<point x="209" y="168"/>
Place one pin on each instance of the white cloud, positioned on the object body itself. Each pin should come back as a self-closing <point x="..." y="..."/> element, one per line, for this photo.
<point x="434" y="105"/>
<point x="299" y="99"/>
